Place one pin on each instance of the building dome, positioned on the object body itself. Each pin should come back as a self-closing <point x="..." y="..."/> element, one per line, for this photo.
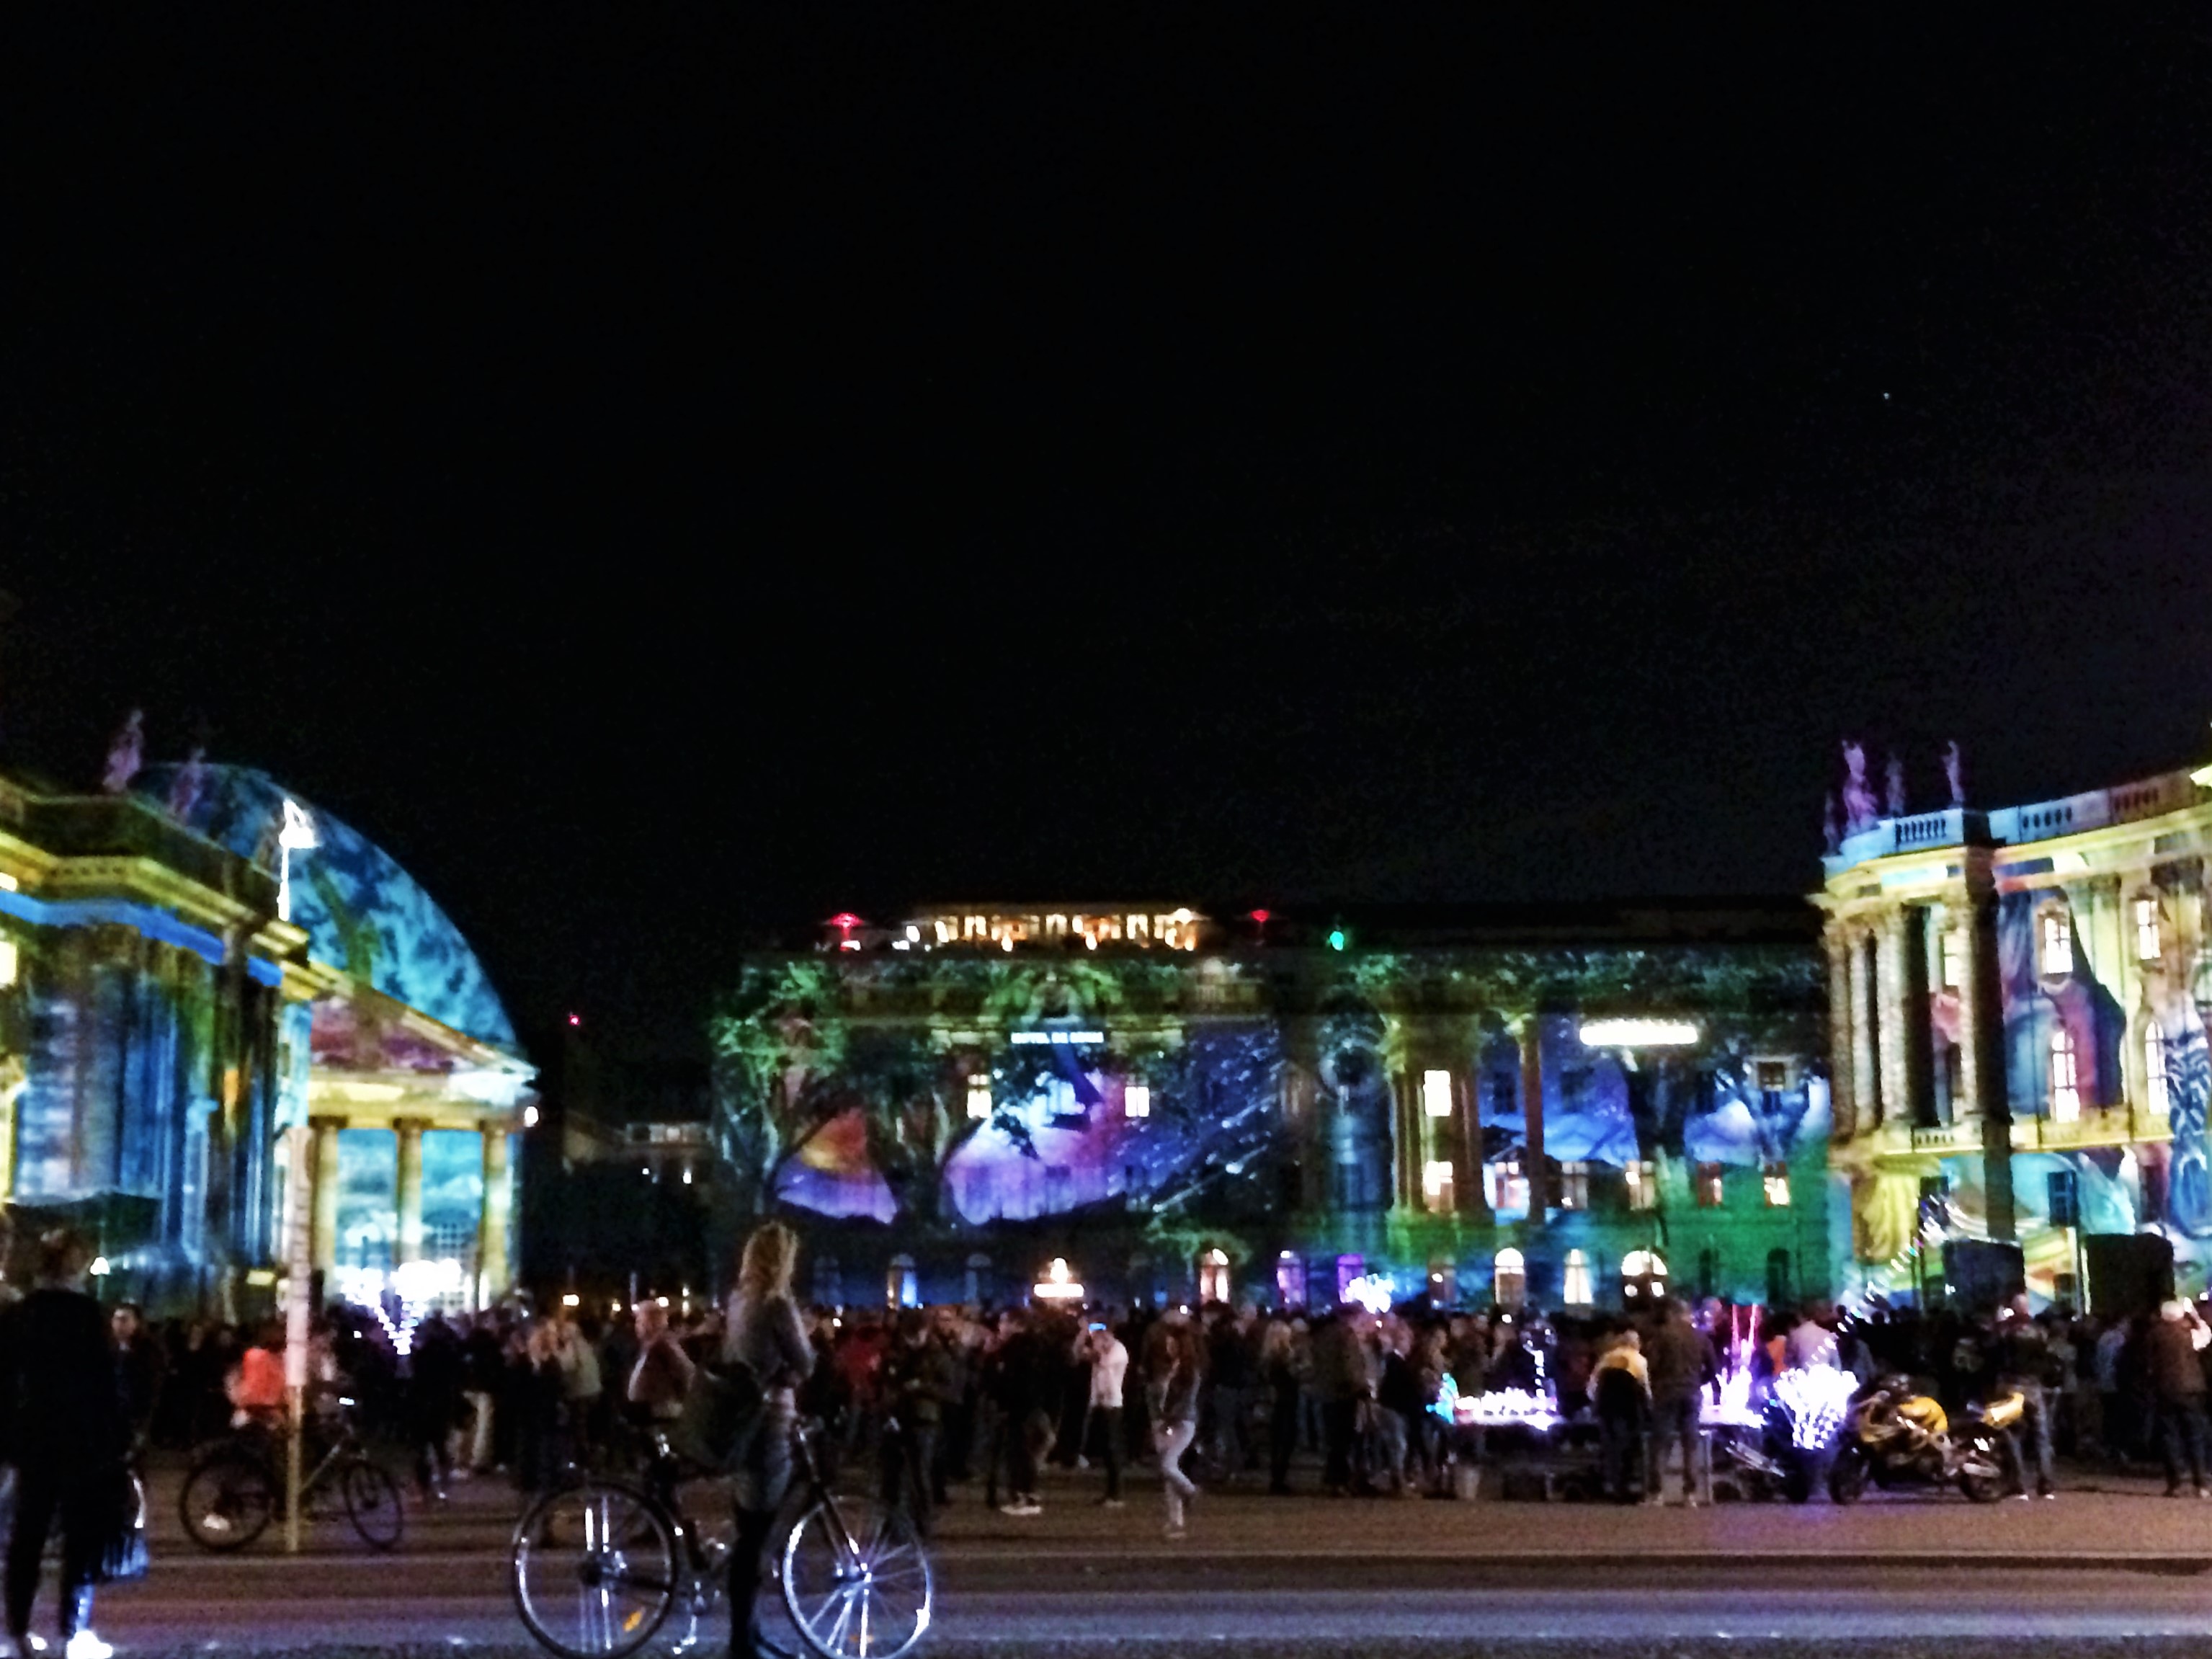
<point x="362" y="912"/>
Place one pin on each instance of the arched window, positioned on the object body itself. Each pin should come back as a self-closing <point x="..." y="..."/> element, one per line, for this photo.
<point x="1509" y="1277"/>
<point x="1291" y="1279"/>
<point x="901" y="1287"/>
<point x="1777" y="1279"/>
<point x="2151" y="944"/>
<point x="1576" y="1293"/>
<point x="1213" y="1283"/>
<point x="976" y="1281"/>
<point x="2065" y="1076"/>
<point x="2155" y="1080"/>
<point x="2056" y="935"/>
<point x="1643" y="1276"/>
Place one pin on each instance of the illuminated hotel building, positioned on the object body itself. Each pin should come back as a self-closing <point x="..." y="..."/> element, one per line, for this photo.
<point x="2016" y="1003"/>
<point x="1287" y="1108"/>
<point x="190" y="1008"/>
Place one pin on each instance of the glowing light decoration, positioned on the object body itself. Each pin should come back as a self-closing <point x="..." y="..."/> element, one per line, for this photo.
<point x="415" y="1285"/>
<point x="1137" y="1101"/>
<point x="1059" y="1284"/>
<point x="298" y="834"/>
<point x="1729" y="1404"/>
<point x="1373" y="1291"/>
<point x="1527" y="1408"/>
<point x="1637" y="1033"/>
<point x="1062" y="1039"/>
<point x="1815" y="1397"/>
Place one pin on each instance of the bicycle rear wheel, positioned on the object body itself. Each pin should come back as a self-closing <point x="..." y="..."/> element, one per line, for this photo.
<point x="856" y="1579"/>
<point x="595" y="1570"/>
<point x="371" y="1504"/>
<point x="227" y="1502"/>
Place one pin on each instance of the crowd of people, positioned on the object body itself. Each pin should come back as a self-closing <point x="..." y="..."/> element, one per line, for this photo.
<point x="950" y="1403"/>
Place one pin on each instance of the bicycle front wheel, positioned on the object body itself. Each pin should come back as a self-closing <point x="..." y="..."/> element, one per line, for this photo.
<point x="856" y="1579"/>
<point x="227" y="1503"/>
<point x="371" y="1504"/>
<point x="594" y="1570"/>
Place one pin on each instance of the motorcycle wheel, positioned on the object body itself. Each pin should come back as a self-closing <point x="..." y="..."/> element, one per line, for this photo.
<point x="1981" y="1471"/>
<point x="1847" y="1480"/>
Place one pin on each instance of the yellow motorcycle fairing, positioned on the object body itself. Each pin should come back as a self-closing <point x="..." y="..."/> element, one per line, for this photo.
<point x="1925" y="1414"/>
<point x="2004" y="1411"/>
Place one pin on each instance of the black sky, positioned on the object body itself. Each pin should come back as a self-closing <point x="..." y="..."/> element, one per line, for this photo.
<point x="666" y="473"/>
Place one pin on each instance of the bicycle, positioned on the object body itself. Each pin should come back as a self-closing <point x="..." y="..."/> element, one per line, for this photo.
<point x="598" y="1567"/>
<point x="235" y="1489"/>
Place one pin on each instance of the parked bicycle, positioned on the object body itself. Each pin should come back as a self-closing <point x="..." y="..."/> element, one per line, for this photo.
<point x="236" y="1487"/>
<point x="598" y="1566"/>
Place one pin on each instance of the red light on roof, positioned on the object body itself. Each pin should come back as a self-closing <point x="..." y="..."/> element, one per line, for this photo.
<point x="845" y="921"/>
<point x="1261" y="916"/>
<point x="576" y="1019"/>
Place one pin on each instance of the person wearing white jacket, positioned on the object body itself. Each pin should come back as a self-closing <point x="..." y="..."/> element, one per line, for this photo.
<point x="1110" y="1369"/>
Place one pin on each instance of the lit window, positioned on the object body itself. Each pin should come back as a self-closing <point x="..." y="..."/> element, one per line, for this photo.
<point x="1954" y="954"/>
<point x="1574" y="1186"/>
<point x="973" y="928"/>
<point x="1508" y="1279"/>
<point x="1437" y="1093"/>
<point x="1711" y="1190"/>
<point x="1214" y="1283"/>
<point x="1505" y="1186"/>
<point x="2155" y="1083"/>
<point x="2065" y="1079"/>
<point x="1643" y="1186"/>
<point x="2148" y="947"/>
<point x="2057" y="945"/>
<point x="979" y="1093"/>
<point x="1137" y="1101"/>
<point x="1576" y="1292"/>
<point x="1436" y="1186"/>
<point x="1141" y="928"/>
<point x="1777" y="1186"/>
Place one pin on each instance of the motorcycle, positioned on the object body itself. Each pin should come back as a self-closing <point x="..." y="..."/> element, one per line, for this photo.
<point x="1895" y="1435"/>
<point x="1797" y="1428"/>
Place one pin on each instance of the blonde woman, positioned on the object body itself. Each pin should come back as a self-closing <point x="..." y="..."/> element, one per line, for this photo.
<point x="764" y="1332"/>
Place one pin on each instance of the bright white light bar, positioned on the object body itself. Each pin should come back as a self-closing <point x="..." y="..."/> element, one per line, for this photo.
<point x="1637" y="1033"/>
<point x="1032" y="1038"/>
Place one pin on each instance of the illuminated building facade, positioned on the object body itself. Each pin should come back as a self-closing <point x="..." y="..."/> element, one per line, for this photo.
<point x="2017" y="1003"/>
<point x="194" y="1003"/>
<point x="1176" y="1107"/>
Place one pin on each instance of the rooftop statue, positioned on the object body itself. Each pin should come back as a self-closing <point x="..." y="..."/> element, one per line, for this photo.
<point x="1831" y="828"/>
<point x="188" y="786"/>
<point x="1859" y="809"/>
<point x="125" y="755"/>
<point x="1955" y="771"/>
<point x="1893" y="776"/>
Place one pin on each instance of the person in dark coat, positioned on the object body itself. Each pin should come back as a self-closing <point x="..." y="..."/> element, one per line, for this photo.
<point x="66" y="1433"/>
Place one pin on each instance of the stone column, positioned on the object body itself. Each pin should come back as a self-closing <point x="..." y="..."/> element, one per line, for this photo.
<point x="1842" y="1098"/>
<point x="1408" y="1143"/>
<point x="1866" y="1048"/>
<point x="1983" y="997"/>
<point x="1916" y="1027"/>
<point x="494" y="1273"/>
<point x="1892" y="1042"/>
<point x="1531" y="1034"/>
<point x="408" y="1193"/>
<point x="323" y="1192"/>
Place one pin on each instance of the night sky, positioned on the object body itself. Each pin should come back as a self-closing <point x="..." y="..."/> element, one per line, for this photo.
<point x="667" y="475"/>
